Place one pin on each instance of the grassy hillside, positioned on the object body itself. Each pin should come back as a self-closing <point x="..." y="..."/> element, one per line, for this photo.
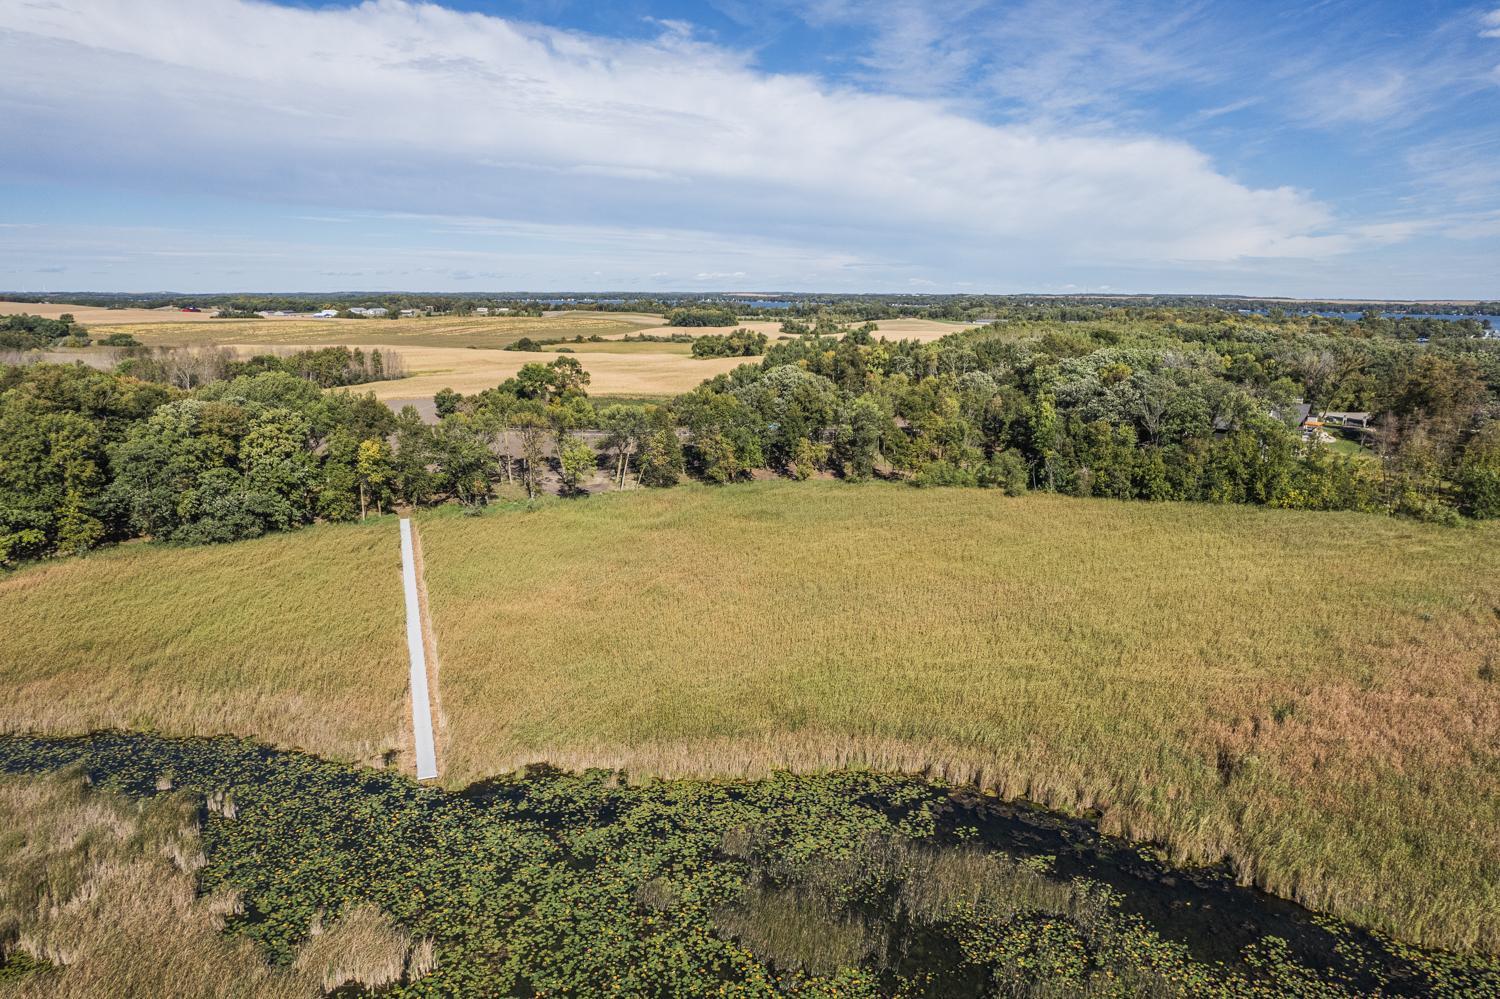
<point x="1312" y="696"/>
<point x="296" y="639"/>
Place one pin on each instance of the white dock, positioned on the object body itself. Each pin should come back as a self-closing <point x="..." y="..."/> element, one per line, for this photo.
<point x="421" y="704"/>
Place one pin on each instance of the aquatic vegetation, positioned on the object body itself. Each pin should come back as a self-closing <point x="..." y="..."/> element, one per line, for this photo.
<point x="98" y="897"/>
<point x="847" y="883"/>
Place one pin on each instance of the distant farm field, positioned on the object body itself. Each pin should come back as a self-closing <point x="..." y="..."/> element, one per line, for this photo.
<point x="427" y="331"/>
<point x="93" y="315"/>
<point x="891" y="329"/>
<point x="1312" y="696"/>
<point x="644" y="371"/>
<point x="449" y="352"/>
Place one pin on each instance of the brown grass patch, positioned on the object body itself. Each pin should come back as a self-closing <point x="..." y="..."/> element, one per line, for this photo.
<point x="1299" y="693"/>
<point x="102" y="888"/>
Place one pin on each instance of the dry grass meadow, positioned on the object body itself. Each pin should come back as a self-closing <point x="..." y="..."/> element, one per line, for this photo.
<point x="1313" y="696"/>
<point x="297" y="639"/>
<point x="104" y="889"/>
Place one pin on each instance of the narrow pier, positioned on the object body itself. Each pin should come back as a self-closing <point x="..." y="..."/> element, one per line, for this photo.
<point x="421" y="704"/>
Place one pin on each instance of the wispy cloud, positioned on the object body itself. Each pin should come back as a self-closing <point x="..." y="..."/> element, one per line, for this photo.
<point x="1002" y="144"/>
<point x="422" y="108"/>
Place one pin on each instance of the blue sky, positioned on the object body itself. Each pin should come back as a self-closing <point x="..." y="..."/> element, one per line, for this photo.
<point x="1324" y="149"/>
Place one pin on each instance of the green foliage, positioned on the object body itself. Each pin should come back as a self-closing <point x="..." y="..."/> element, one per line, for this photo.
<point x="701" y="316"/>
<point x="446" y="402"/>
<point x="846" y="883"/>
<point x="27" y="332"/>
<point x="1479" y="474"/>
<point x="625" y="429"/>
<point x="740" y="343"/>
<point x="1181" y="405"/>
<point x="661" y="457"/>
<point x="575" y="461"/>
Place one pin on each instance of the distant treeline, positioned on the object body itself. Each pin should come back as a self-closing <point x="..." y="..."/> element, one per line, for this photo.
<point x="526" y="343"/>
<point x="26" y="332"/>
<point x="740" y="343"/>
<point x="1191" y="405"/>
<point x="326" y="367"/>
<point x="771" y="305"/>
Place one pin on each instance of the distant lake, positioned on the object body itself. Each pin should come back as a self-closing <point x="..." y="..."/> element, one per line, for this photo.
<point x="1446" y="317"/>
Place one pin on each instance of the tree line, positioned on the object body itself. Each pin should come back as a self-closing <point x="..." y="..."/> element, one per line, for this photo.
<point x="1192" y="407"/>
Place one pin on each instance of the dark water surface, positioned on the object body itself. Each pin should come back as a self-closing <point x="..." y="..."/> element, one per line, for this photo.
<point x="580" y="883"/>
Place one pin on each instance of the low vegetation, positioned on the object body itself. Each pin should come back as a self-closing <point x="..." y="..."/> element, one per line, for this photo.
<point x="1312" y="696"/>
<point x="296" y="640"/>
<point x="846" y="884"/>
<point x="99" y="896"/>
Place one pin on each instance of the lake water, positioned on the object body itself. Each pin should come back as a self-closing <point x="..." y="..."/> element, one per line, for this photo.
<point x="1446" y="317"/>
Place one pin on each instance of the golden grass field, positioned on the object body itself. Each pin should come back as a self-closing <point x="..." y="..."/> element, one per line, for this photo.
<point x="1298" y="692"/>
<point x="1310" y="695"/>
<point x="440" y="352"/>
<point x="266" y="638"/>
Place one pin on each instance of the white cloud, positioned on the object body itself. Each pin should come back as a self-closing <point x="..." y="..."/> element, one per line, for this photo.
<point x="1491" y="24"/>
<point x="1358" y="94"/>
<point x="417" y="108"/>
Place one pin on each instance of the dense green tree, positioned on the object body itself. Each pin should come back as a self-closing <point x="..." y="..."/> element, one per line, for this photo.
<point x="661" y="458"/>
<point x="446" y="402"/>
<point x="625" y="429"/>
<point x="463" y="460"/>
<point x="413" y="477"/>
<point x="575" y="461"/>
<point x="279" y="466"/>
<point x="339" y="483"/>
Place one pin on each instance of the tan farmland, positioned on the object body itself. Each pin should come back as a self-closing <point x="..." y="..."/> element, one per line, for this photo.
<point x="92" y="315"/>
<point x="435" y="331"/>
<point x="892" y="329"/>
<point x="470" y="371"/>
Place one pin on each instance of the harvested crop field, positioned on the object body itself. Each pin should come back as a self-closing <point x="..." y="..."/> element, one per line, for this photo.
<point x="635" y="372"/>
<point x="428" y="331"/>
<point x="93" y="315"/>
